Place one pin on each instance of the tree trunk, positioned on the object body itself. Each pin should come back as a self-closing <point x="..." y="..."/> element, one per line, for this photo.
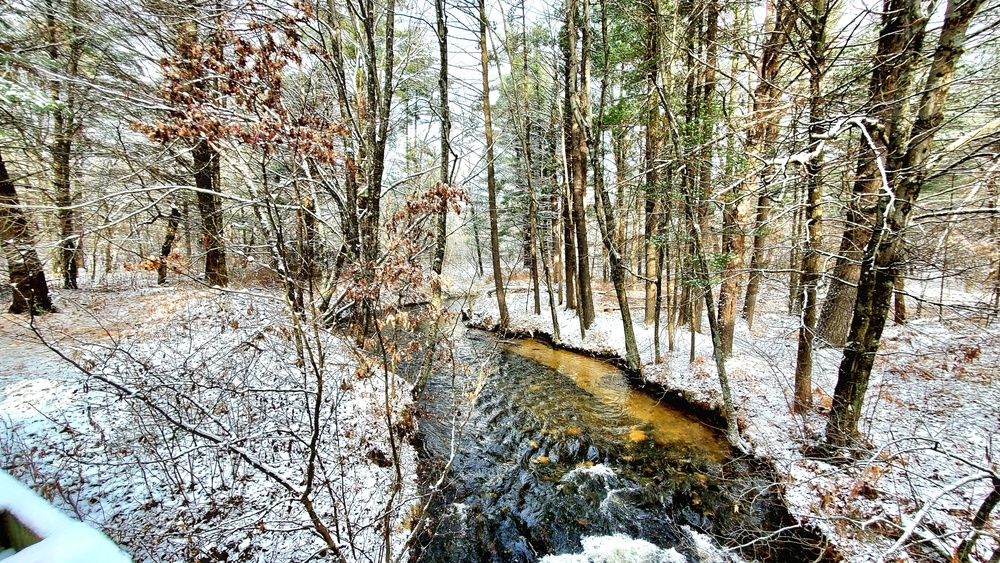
<point x="759" y="257"/>
<point x="379" y="105"/>
<point x="618" y="279"/>
<point x="762" y="136"/>
<point x="579" y="67"/>
<point x="27" y="277"/>
<point x="65" y="127"/>
<point x="68" y="239"/>
<point x="476" y="239"/>
<point x="899" y="294"/>
<point x="884" y="253"/>
<point x="349" y="208"/>
<point x="900" y="41"/>
<point x="795" y="257"/>
<point x="529" y="171"/>
<point x="188" y="249"/>
<point x="547" y="250"/>
<point x="816" y="65"/>
<point x="605" y="217"/>
<point x="569" y="247"/>
<point x="533" y="238"/>
<point x="652" y="145"/>
<point x="982" y="516"/>
<point x="168" y="244"/>
<point x="490" y="175"/>
<point x="206" y="176"/>
<point x="809" y="279"/>
<point x="444" y="178"/>
<point x="441" y="237"/>
<point x="703" y="281"/>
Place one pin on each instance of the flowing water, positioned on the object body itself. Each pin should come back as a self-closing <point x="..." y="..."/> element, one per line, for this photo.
<point x="559" y="448"/>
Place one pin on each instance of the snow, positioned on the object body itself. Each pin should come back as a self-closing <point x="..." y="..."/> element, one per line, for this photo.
<point x="932" y="408"/>
<point x="62" y="540"/>
<point x="223" y="364"/>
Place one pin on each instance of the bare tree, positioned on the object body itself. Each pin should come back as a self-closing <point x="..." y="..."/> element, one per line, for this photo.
<point x="815" y="60"/>
<point x="498" y="281"/>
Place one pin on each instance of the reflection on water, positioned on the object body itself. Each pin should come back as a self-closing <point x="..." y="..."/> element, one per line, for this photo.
<point x="667" y="426"/>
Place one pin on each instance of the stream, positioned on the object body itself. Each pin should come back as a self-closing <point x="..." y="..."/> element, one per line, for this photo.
<point x="559" y="451"/>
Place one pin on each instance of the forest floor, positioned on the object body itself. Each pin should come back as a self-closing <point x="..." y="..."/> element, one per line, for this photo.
<point x="932" y="409"/>
<point x="159" y="494"/>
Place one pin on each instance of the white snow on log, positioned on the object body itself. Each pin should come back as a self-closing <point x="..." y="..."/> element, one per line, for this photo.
<point x="63" y="540"/>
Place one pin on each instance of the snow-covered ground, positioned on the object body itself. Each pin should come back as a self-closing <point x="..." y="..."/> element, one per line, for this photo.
<point x="932" y="409"/>
<point x="223" y="480"/>
<point x="224" y="364"/>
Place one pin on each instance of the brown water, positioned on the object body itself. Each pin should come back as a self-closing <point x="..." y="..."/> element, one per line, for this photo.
<point x="666" y="425"/>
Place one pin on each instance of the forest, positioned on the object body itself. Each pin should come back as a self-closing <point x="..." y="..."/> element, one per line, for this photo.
<point x="245" y="238"/>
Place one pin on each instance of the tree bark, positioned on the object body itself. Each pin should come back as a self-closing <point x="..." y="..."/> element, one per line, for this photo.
<point x="762" y="136"/>
<point x="569" y="246"/>
<point x="65" y="128"/>
<point x="548" y="249"/>
<point x="964" y="549"/>
<point x="445" y="111"/>
<point x="618" y="278"/>
<point x="490" y="174"/>
<point x="703" y="281"/>
<point x="379" y="104"/>
<point x="816" y="65"/>
<point x="168" y="244"/>
<point x="795" y="256"/>
<point x="606" y="222"/>
<point x="579" y="87"/>
<point x="27" y="276"/>
<point x="900" y="41"/>
<point x="884" y="253"/>
<point x="528" y="166"/>
<point x="899" y="295"/>
<point x="758" y="258"/>
<point x="652" y="145"/>
<point x="206" y="177"/>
